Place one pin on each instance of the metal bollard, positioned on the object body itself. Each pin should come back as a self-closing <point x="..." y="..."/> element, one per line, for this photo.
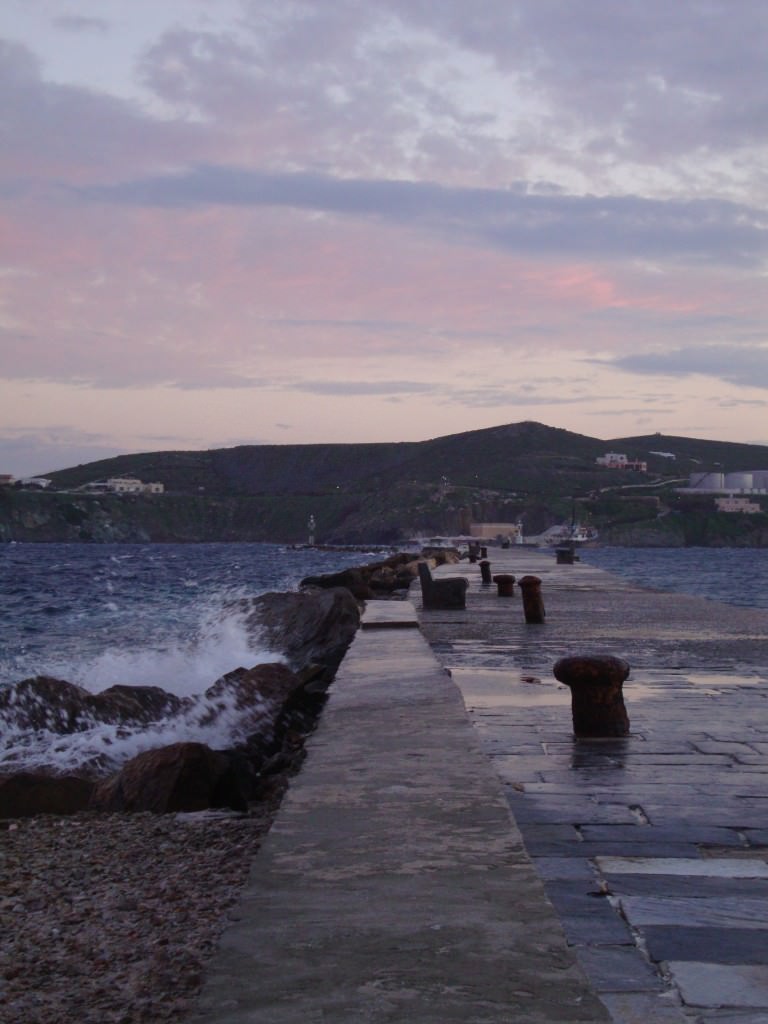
<point x="485" y="571"/>
<point x="597" y="701"/>
<point x="533" y="603"/>
<point x="483" y="552"/>
<point x="505" y="584"/>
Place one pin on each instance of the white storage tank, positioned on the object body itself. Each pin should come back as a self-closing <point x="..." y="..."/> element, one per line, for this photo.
<point x="739" y="481"/>
<point x="707" y="481"/>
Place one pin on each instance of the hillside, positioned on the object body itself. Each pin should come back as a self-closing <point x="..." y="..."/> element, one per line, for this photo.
<point x="525" y="472"/>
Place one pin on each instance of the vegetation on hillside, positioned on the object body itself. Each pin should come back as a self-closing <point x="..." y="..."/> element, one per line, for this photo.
<point x="524" y="472"/>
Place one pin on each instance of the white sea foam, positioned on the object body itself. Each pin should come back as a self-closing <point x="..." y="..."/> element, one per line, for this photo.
<point x="185" y="667"/>
<point x="106" y="746"/>
<point x="182" y="666"/>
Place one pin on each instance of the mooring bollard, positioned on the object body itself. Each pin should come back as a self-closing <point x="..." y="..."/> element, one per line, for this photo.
<point x="565" y="555"/>
<point x="597" y="701"/>
<point x="505" y="584"/>
<point x="485" y="570"/>
<point x="533" y="602"/>
<point x="483" y="551"/>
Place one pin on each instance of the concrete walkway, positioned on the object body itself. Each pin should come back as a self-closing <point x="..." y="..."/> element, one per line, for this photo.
<point x="395" y="885"/>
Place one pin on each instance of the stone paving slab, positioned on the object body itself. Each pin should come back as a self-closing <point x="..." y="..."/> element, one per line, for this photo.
<point x="724" y="912"/>
<point x="389" y="615"/>
<point x="394" y="886"/>
<point x="716" y="985"/>
<point x="726" y="945"/>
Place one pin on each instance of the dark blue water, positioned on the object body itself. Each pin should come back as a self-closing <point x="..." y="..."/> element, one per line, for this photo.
<point x="160" y="614"/>
<point x="733" y="575"/>
<point x="142" y="614"/>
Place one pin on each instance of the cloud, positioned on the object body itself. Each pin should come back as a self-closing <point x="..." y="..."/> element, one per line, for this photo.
<point x="31" y="451"/>
<point x="362" y="387"/>
<point x="81" y="23"/>
<point x="636" y="79"/>
<point x="600" y="227"/>
<point x="739" y="403"/>
<point x="490" y="396"/>
<point x="59" y="130"/>
<point x="289" y="205"/>
<point x="745" y="367"/>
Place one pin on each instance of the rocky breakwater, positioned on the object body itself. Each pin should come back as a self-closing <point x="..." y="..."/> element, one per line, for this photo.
<point x="389" y="578"/>
<point x="259" y="714"/>
<point x="108" y="916"/>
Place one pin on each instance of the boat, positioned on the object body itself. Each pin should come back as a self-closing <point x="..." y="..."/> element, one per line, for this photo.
<point x="582" y="534"/>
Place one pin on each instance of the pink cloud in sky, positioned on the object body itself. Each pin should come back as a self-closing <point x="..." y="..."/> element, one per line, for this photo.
<point x="327" y="209"/>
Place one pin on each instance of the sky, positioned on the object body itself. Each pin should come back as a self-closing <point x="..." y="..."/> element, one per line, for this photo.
<point x="232" y="222"/>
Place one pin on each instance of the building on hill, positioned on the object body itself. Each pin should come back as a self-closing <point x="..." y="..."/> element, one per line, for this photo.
<point x="733" y="504"/>
<point x="37" y="483"/>
<point x="497" y="531"/>
<point x="618" y="460"/>
<point x="132" y="485"/>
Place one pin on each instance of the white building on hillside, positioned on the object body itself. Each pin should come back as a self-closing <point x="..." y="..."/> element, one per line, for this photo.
<point x="618" y="460"/>
<point x="731" y="504"/>
<point x="39" y="482"/>
<point x="132" y="485"/>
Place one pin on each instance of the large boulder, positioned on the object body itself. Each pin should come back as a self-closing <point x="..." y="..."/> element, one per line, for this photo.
<point x="55" y="705"/>
<point x="354" y="580"/>
<point x="256" y="699"/>
<point x="25" y="794"/>
<point x="179" y="777"/>
<point x="311" y="627"/>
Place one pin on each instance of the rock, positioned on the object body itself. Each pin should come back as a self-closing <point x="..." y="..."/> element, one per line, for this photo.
<point x="55" y="705"/>
<point x="257" y="697"/>
<point x="310" y="627"/>
<point x="179" y="777"/>
<point x="441" y="556"/>
<point x="137" y="704"/>
<point x="373" y="580"/>
<point x="355" y="581"/>
<point x="25" y="794"/>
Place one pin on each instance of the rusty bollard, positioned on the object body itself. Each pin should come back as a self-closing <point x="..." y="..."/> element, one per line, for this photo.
<point x="485" y="570"/>
<point x="597" y="702"/>
<point x="533" y="603"/>
<point x="505" y="584"/>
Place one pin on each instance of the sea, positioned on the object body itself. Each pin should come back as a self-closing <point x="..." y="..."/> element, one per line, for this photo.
<point x="737" y="576"/>
<point x="137" y="614"/>
<point x="165" y="615"/>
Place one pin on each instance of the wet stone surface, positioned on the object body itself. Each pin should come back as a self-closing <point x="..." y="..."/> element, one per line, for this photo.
<point x="653" y="848"/>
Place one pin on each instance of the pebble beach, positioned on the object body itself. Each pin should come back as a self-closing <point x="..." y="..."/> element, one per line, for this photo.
<point x="110" y="919"/>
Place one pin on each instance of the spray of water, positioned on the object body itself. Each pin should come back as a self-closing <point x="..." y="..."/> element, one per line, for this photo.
<point x="184" y="666"/>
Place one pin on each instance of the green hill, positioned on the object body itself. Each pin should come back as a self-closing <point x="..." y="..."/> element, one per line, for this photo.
<point x="505" y="457"/>
<point x="524" y="472"/>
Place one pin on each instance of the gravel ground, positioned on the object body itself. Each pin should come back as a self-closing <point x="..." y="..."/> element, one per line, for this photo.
<point x="112" y="918"/>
